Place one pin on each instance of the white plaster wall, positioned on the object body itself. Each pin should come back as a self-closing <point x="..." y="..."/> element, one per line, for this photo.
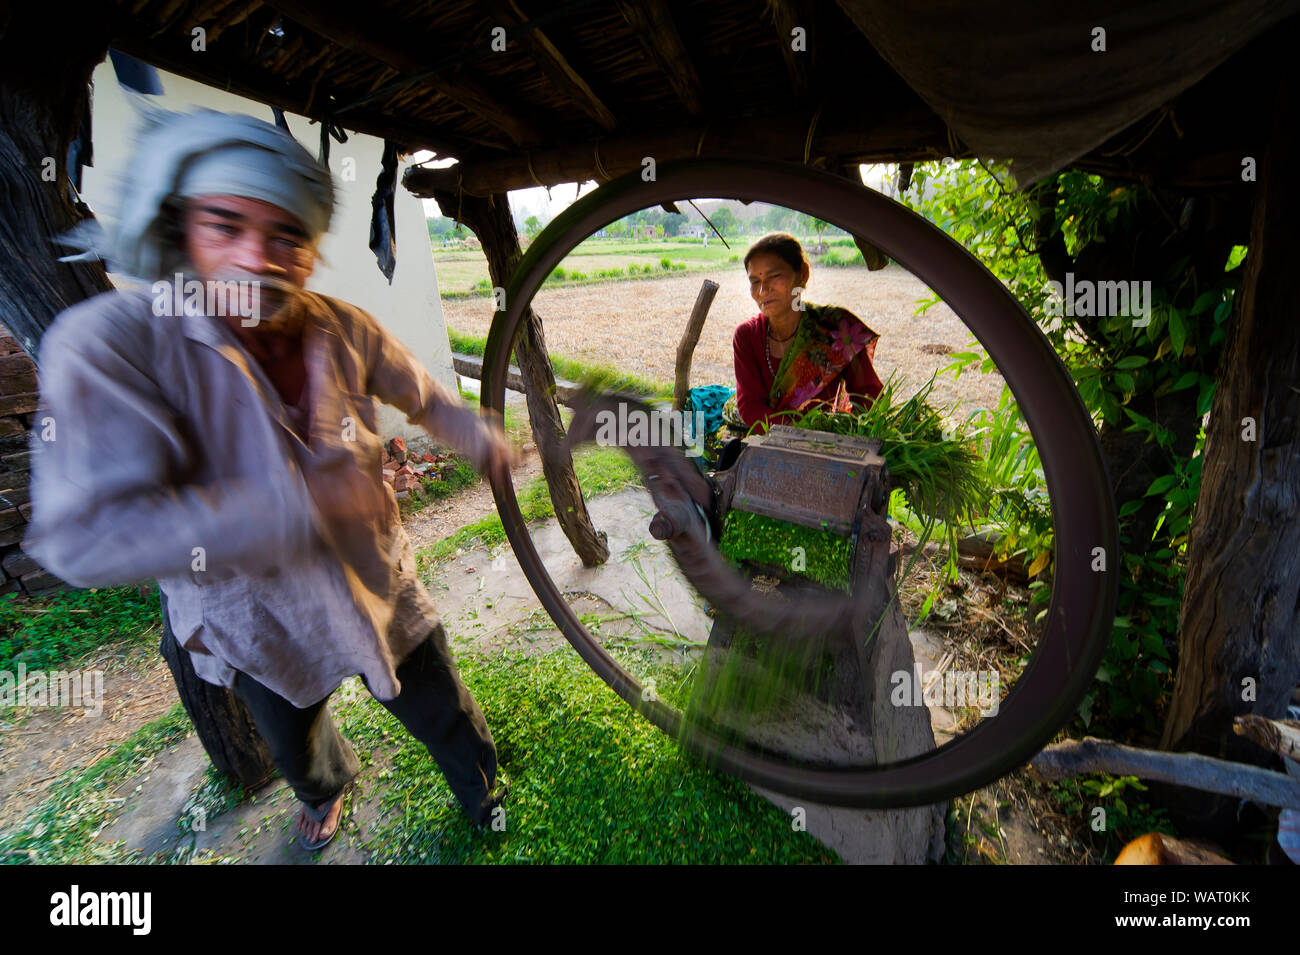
<point x="409" y="308"/>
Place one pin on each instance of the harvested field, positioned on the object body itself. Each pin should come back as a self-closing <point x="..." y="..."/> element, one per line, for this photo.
<point x="635" y="326"/>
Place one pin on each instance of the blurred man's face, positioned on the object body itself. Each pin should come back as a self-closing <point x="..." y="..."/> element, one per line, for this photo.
<point x="226" y="234"/>
<point x="233" y="238"/>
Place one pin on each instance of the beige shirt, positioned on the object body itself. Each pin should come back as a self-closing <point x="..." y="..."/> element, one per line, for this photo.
<point x="171" y="456"/>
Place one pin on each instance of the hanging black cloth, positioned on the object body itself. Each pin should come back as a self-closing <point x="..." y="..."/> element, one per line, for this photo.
<point x="81" y="151"/>
<point x="329" y="130"/>
<point x="279" y="118"/>
<point x="134" y="75"/>
<point x="383" y="234"/>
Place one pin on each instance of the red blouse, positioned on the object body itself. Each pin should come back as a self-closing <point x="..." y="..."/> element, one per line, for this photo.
<point x="754" y="378"/>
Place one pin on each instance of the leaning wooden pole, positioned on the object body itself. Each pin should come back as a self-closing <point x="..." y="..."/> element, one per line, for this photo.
<point x="1189" y="770"/>
<point x="691" y="338"/>
<point x="491" y="221"/>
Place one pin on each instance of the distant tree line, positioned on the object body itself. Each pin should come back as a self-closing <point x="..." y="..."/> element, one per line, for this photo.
<point x="662" y="223"/>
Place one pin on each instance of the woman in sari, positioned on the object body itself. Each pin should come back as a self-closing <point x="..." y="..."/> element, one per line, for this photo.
<point x="794" y="355"/>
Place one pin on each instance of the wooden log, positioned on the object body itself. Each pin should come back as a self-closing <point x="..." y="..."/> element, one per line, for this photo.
<point x="235" y="76"/>
<point x="222" y="721"/>
<point x="491" y="221"/>
<point x="372" y="33"/>
<point x="1276" y="736"/>
<point x="786" y="16"/>
<point x="471" y="366"/>
<point x="919" y="135"/>
<point x="1238" y="780"/>
<point x="652" y="22"/>
<point x="977" y="553"/>
<point x="554" y="64"/>
<point x="691" y="338"/>
<point x="45" y="72"/>
<point x="1241" y="600"/>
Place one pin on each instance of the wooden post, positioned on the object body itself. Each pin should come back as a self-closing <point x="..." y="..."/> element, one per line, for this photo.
<point x="47" y="53"/>
<point x="1241" y="603"/>
<point x="491" y="221"/>
<point x="222" y="721"/>
<point x="691" y="338"/>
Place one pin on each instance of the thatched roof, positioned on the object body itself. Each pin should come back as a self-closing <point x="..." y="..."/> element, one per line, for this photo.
<point x="585" y="89"/>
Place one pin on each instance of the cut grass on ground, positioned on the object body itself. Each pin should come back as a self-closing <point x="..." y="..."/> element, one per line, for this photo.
<point x="591" y="781"/>
<point x="62" y="829"/>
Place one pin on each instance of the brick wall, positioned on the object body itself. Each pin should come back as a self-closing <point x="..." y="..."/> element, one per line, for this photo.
<point x="18" y="400"/>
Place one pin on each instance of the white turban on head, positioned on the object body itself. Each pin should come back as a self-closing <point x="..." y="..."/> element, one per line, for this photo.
<point x="204" y="153"/>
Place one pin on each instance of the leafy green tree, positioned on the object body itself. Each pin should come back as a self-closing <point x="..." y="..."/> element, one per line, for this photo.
<point x="724" y="220"/>
<point x="1147" y="382"/>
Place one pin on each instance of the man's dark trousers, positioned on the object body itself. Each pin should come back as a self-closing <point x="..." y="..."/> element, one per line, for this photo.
<point x="434" y="706"/>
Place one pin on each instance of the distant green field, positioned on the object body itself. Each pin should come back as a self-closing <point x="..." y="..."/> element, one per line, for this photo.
<point x="461" y="270"/>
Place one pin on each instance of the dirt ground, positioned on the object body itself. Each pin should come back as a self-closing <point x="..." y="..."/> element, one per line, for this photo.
<point x="648" y="316"/>
<point x="635" y="326"/>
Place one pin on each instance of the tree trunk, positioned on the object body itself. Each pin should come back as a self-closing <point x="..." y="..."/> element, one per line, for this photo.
<point x="47" y="54"/>
<point x="224" y="725"/>
<point x="1240" y="625"/>
<point x="491" y="221"/>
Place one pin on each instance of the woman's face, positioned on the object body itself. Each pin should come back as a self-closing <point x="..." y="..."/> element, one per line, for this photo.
<point x="773" y="284"/>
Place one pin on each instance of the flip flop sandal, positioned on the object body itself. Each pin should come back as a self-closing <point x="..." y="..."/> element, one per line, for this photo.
<point x="319" y="816"/>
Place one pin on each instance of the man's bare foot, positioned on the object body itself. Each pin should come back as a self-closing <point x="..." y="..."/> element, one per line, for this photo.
<point x="313" y="831"/>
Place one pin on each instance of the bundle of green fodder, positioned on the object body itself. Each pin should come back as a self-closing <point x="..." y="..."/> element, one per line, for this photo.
<point x="939" y="474"/>
<point x="936" y="468"/>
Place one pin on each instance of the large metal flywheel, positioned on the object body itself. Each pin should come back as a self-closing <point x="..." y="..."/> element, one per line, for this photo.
<point x="1080" y="616"/>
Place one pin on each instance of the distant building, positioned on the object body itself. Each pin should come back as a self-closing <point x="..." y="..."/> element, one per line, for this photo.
<point x="695" y="231"/>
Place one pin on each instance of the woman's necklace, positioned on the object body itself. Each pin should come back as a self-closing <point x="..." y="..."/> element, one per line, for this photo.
<point x="767" y="345"/>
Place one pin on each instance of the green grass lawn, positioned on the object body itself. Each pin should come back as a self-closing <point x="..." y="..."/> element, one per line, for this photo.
<point x="571" y="369"/>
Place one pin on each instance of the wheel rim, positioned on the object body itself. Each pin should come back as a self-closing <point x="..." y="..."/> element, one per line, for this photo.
<point x="1083" y="512"/>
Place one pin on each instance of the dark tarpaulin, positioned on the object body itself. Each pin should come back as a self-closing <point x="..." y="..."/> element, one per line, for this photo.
<point x="383" y="235"/>
<point x="1022" y="81"/>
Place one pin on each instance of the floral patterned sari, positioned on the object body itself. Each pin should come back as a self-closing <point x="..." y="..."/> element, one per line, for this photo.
<point x="825" y="343"/>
